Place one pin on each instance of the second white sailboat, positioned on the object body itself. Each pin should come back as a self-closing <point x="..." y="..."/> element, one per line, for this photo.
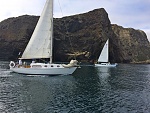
<point x="103" y="60"/>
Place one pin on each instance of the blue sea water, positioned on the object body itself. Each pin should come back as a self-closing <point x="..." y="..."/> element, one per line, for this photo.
<point x="123" y="89"/>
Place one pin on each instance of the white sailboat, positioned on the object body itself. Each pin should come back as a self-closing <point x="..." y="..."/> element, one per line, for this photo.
<point x="40" y="47"/>
<point x="103" y="59"/>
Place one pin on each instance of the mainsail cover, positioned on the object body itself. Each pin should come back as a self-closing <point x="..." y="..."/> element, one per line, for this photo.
<point x="104" y="54"/>
<point x="40" y="44"/>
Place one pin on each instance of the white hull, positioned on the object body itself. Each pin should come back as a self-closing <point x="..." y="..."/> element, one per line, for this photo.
<point x="106" y="65"/>
<point x="50" y="69"/>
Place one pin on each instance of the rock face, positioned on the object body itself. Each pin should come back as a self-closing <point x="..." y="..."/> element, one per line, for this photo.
<point x="133" y="44"/>
<point x="87" y="33"/>
<point x="80" y="35"/>
<point x="14" y="35"/>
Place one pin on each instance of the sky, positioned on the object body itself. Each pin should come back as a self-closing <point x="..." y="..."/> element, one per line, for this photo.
<point x="127" y="13"/>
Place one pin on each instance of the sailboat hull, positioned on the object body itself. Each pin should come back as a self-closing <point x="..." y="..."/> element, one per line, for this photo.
<point x="50" y="69"/>
<point x="105" y="65"/>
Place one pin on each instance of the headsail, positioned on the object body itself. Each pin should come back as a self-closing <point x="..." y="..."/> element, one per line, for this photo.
<point x="104" y="53"/>
<point x="40" y="44"/>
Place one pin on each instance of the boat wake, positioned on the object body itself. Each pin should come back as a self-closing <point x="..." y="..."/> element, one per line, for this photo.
<point x="5" y="73"/>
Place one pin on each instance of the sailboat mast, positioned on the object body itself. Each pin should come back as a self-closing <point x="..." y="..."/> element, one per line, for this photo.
<point x="108" y="50"/>
<point x="51" y="35"/>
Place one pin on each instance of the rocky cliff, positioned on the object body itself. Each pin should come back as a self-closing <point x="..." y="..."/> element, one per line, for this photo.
<point x="133" y="44"/>
<point x="81" y="35"/>
<point x="14" y="35"/>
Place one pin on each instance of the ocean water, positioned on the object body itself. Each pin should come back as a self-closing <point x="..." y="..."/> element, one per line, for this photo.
<point x="123" y="89"/>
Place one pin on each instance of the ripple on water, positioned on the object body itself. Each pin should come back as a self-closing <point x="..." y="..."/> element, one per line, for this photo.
<point x="125" y="89"/>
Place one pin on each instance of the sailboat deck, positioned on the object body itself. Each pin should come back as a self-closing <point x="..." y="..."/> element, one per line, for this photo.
<point x="24" y="66"/>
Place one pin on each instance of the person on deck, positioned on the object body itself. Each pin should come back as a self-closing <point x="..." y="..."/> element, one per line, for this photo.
<point x="20" y="62"/>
